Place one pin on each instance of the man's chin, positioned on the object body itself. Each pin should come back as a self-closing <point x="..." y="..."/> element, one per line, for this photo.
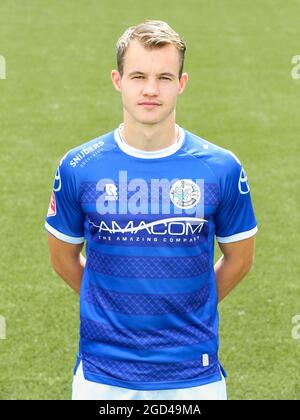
<point x="148" y="118"/>
<point x="148" y="121"/>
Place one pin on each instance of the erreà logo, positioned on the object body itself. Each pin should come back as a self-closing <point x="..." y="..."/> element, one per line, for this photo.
<point x="243" y="183"/>
<point x="111" y="192"/>
<point x="52" y="206"/>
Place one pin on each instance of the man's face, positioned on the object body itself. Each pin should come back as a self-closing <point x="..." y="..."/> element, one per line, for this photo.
<point x="150" y="83"/>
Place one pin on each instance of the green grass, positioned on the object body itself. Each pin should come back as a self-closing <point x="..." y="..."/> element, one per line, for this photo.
<point x="58" y="94"/>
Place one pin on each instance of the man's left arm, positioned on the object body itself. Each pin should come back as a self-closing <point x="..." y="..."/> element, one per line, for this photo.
<point x="234" y="264"/>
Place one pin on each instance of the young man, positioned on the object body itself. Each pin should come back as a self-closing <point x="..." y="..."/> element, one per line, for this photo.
<point x="149" y="198"/>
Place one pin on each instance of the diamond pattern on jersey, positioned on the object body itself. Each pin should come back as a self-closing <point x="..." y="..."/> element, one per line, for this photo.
<point x="146" y="304"/>
<point x="148" y="267"/>
<point x="146" y="338"/>
<point x="211" y="194"/>
<point x="149" y="372"/>
<point x="89" y="194"/>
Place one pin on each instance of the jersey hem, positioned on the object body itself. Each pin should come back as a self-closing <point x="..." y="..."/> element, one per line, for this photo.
<point x="62" y="236"/>
<point x="238" y="236"/>
<point x="153" y="385"/>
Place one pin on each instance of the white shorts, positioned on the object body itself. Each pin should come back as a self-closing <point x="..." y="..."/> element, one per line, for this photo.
<point x="82" y="389"/>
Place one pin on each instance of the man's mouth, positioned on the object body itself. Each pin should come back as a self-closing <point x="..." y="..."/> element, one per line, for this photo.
<point x="149" y="104"/>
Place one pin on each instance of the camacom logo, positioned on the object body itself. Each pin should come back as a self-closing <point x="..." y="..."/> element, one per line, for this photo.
<point x="295" y="73"/>
<point x="2" y="68"/>
<point x="2" y="328"/>
<point x="296" y="328"/>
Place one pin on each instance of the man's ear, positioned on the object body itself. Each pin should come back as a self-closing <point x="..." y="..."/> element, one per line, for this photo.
<point x="182" y="82"/>
<point x="116" y="80"/>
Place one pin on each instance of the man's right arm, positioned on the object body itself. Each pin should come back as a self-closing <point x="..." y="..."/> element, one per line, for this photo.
<point x="67" y="261"/>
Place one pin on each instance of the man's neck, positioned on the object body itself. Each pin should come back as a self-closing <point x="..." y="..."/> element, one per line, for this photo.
<point x="149" y="137"/>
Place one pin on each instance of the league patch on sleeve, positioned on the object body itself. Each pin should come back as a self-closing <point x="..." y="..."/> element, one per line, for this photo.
<point x="52" y="206"/>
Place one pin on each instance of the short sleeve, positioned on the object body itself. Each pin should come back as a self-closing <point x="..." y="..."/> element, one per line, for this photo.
<point x="65" y="218"/>
<point x="234" y="218"/>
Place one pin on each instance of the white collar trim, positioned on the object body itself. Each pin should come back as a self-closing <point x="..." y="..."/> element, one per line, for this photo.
<point x="146" y="154"/>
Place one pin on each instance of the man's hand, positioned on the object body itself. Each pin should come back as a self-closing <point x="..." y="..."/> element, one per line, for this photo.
<point x="234" y="264"/>
<point x="67" y="261"/>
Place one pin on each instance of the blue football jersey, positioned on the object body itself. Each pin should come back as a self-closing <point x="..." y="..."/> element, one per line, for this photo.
<point x="148" y="300"/>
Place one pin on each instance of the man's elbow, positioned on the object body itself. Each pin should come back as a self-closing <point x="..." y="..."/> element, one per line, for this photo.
<point x="247" y="264"/>
<point x="56" y="263"/>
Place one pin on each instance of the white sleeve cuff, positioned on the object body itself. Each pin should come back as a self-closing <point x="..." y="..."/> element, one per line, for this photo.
<point x="62" y="236"/>
<point x="238" y="236"/>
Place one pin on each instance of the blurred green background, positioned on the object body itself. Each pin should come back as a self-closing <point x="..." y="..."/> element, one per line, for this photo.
<point x="58" y="94"/>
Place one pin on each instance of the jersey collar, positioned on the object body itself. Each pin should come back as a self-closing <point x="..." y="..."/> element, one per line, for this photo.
<point x="132" y="151"/>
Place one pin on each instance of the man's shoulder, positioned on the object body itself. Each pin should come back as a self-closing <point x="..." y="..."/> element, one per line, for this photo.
<point x="80" y="155"/>
<point x="204" y="148"/>
<point x="213" y="155"/>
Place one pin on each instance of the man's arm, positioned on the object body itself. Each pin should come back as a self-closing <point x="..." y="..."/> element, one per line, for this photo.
<point x="234" y="264"/>
<point x="67" y="261"/>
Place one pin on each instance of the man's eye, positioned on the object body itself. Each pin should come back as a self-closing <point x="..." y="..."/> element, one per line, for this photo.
<point x="165" y="78"/>
<point x="138" y="77"/>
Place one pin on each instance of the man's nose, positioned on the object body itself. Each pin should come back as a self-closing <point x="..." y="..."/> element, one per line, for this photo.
<point x="150" y="87"/>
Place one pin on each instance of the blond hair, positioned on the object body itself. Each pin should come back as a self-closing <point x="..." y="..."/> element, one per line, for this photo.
<point x="151" y="34"/>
